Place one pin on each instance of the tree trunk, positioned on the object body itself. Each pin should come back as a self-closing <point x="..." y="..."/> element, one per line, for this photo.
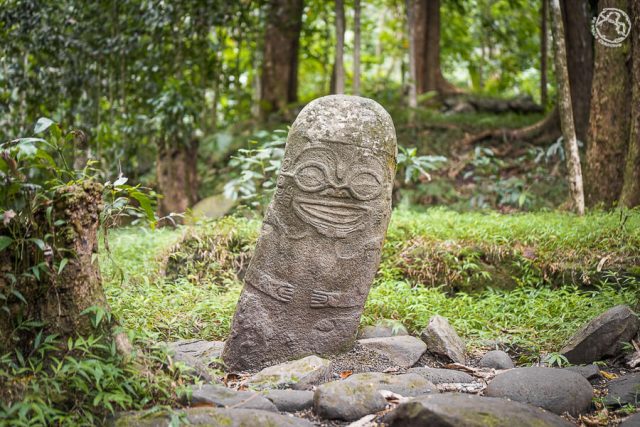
<point x="356" y="47"/>
<point x="177" y="176"/>
<point x="566" y="112"/>
<point x="543" y="52"/>
<point x="418" y="33"/>
<point x="609" y="121"/>
<point x="59" y="296"/>
<point x="630" y="196"/>
<point x="433" y="78"/>
<point x="413" y="98"/>
<point x="579" y="44"/>
<point x="339" y="65"/>
<point x="279" y="81"/>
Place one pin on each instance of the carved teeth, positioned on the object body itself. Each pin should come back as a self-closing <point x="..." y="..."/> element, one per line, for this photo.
<point x="327" y="215"/>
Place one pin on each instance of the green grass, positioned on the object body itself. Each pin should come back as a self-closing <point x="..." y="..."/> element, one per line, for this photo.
<point x="536" y="315"/>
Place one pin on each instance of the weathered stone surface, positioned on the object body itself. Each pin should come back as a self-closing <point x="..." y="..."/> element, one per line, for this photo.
<point x="590" y="372"/>
<point x="602" y="337"/>
<point x="463" y="410"/>
<point x="219" y="395"/>
<point x="199" y="355"/>
<point x="290" y="400"/>
<point x="403" y="350"/>
<point x="441" y="376"/>
<point x="442" y="340"/>
<point x="294" y="374"/>
<point x="322" y="235"/>
<point x="632" y="421"/>
<point x="359" y="394"/>
<point x="212" y="417"/>
<point x="384" y="328"/>
<point x="555" y="390"/>
<point x="496" y="359"/>
<point x="623" y="390"/>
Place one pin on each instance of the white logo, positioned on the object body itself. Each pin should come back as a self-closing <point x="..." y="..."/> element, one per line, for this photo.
<point x="611" y="27"/>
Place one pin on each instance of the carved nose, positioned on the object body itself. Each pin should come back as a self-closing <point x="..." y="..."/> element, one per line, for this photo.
<point x="336" y="192"/>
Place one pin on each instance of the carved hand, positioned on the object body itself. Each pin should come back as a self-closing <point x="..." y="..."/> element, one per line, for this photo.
<point x="284" y="293"/>
<point x="321" y="299"/>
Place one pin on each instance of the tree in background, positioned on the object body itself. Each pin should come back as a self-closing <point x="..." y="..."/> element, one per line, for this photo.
<point x="338" y="67"/>
<point x="356" y="47"/>
<point x="279" y="85"/>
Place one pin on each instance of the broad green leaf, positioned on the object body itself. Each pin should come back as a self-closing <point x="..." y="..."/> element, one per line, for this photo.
<point x="42" y="124"/>
<point x="5" y="241"/>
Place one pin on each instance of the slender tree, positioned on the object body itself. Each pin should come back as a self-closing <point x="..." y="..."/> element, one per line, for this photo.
<point x="543" y="52"/>
<point x="339" y="64"/>
<point x="356" y="47"/>
<point x="413" y="98"/>
<point x="279" y="84"/>
<point x="566" y="111"/>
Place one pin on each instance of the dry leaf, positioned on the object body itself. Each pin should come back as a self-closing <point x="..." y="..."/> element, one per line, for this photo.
<point x="345" y="374"/>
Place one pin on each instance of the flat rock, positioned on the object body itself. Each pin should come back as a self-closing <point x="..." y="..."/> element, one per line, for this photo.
<point x="384" y="328"/>
<point x="624" y="390"/>
<point x="590" y="372"/>
<point x="556" y="390"/>
<point x="496" y="359"/>
<point x="296" y="374"/>
<point x="359" y="394"/>
<point x="443" y="341"/>
<point x="632" y="421"/>
<point x="321" y="239"/>
<point x="199" y="355"/>
<point x="603" y="336"/>
<point x="290" y="400"/>
<point x="442" y="376"/>
<point x="463" y="410"/>
<point x="403" y="350"/>
<point x="212" y="417"/>
<point x="219" y="395"/>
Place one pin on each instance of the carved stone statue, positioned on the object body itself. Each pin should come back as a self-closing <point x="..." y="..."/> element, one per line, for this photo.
<point x="322" y="235"/>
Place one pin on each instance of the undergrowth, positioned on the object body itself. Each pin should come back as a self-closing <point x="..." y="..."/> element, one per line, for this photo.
<point x="556" y="252"/>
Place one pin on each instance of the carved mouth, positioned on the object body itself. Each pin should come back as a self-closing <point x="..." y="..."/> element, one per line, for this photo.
<point x="331" y="218"/>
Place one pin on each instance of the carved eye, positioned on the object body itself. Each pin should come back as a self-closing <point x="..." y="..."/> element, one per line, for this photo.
<point x="311" y="178"/>
<point x="365" y="186"/>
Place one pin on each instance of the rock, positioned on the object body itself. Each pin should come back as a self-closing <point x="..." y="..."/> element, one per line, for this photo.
<point x="442" y="376"/>
<point x="464" y="410"/>
<point x="359" y="394"/>
<point x="403" y="350"/>
<point x="212" y="207"/>
<point x="219" y="395"/>
<point x="556" y="390"/>
<point x="623" y="390"/>
<point x="384" y="328"/>
<point x="632" y="421"/>
<point x="199" y="355"/>
<point x="496" y="359"/>
<point x="212" y="417"/>
<point x="590" y="372"/>
<point x="290" y="400"/>
<point x="297" y="374"/>
<point x="321" y="239"/>
<point x="602" y="337"/>
<point x="442" y="340"/>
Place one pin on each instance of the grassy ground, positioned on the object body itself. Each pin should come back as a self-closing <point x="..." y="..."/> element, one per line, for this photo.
<point x="561" y="271"/>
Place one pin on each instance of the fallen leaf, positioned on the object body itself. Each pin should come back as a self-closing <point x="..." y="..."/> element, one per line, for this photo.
<point x="345" y="374"/>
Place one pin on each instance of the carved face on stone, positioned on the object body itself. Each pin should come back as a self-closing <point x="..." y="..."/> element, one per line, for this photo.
<point x="337" y="181"/>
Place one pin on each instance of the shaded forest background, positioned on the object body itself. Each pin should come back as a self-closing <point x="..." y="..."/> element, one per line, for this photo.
<point x="166" y="92"/>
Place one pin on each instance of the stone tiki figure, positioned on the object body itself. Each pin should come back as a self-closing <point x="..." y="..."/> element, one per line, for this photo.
<point x="320" y="243"/>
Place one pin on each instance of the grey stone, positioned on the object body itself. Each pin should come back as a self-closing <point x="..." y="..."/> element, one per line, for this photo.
<point x="403" y="350"/>
<point x="219" y="395"/>
<point x="359" y="395"/>
<point x="623" y="390"/>
<point x="290" y="400"/>
<point x="321" y="239"/>
<point x="442" y="376"/>
<point x="590" y="372"/>
<point x="603" y="336"/>
<point x="632" y="421"/>
<point x="442" y="340"/>
<point x="384" y="328"/>
<point x="212" y="417"/>
<point x="496" y="359"/>
<point x="296" y="374"/>
<point x="199" y="355"/>
<point x="556" y="390"/>
<point x="463" y="410"/>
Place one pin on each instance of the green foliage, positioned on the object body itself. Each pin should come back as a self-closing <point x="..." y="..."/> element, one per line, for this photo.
<point x="556" y="359"/>
<point x="413" y="167"/>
